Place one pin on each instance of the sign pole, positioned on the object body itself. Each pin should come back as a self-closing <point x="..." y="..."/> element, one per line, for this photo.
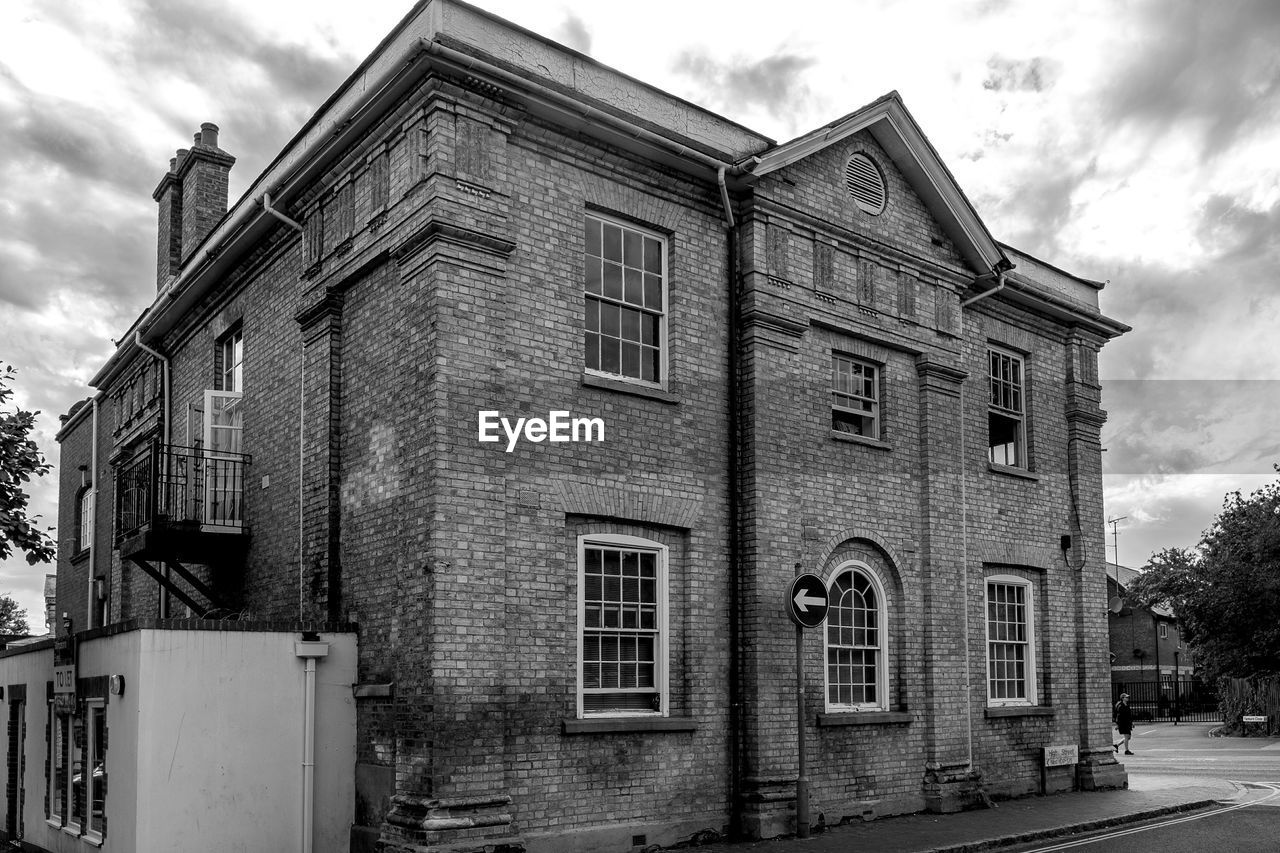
<point x="807" y="605"/>
<point x="802" y="778"/>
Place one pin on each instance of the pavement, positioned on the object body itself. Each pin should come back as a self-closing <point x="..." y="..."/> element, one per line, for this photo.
<point x="1006" y="823"/>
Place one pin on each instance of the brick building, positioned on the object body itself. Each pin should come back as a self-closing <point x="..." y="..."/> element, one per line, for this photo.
<point x="738" y="360"/>
<point x="1146" y="642"/>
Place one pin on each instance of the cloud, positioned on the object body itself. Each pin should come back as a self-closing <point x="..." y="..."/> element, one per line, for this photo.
<point x="574" y="33"/>
<point x="1206" y="68"/>
<point x="1020" y="75"/>
<point x="1037" y="209"/>
<point x="1232" y="230"/>
<point x="78" y="141"/>
<point x="1214" y="319"/>
<point x="1191" y="426"/>
<point x="1167" y="511"/>
<point x="773" y="83"/>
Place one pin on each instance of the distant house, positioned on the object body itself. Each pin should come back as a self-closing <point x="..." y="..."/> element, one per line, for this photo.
<point x="1146" y="642"/>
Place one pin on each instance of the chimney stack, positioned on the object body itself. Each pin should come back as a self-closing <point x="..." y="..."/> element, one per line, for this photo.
<point x="192" y="198"/>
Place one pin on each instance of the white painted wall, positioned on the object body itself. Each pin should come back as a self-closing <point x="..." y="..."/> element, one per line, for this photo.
<point x="32" y="669"/>
<point x="220" y="763"/>
<point x="205" y="744"/>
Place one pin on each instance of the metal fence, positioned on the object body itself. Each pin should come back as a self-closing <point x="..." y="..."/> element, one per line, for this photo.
<point x="180" y="485"/>
<point x="1186" y="700"/>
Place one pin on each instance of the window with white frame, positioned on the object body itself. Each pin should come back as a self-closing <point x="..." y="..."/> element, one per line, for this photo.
<point x="75" y="774"/>
<point x="231" y="362"/>
<point x="17" y="765"/>
<point x="857" y="636"/>
<point x="855" y="396"/>
<point x="95" y="775"/>
<point x="1164" y="631"/>
<point x="1006" y="412"/>
<point x="622" y="618"/>
<point x="57" y="727"/>
<point x="1011" y="651"/>
<point x="84" y="520"/>
<point x="624" y="301"/>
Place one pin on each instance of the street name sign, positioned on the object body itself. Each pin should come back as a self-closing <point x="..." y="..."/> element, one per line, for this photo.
<point x="807" y="601"/>
<point x="1061" y="756"/>
<point x="1254" y="718"/>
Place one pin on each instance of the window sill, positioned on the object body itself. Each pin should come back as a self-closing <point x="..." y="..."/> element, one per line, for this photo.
<point x="608" y="383"/>
<point x="1019" y="711"/>
<point x="72" y="829"/>
<point x="1011" y="471"/>
<point x="92" y="838"/>
<point x="863" y="718"/>
<point x="853" y="438"/>
<point x="55" y="823"/>
<point x="607" y="725"/>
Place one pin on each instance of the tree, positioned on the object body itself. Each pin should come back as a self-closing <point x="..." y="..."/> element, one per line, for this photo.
<point x="13" y="619"/>
<point x="1226" y="593"/>
<point x="20" y="460"/>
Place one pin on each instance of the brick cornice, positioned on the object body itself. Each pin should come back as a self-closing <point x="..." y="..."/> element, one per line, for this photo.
<point x="1086" y="416"/>
<point x="435" y="231"/>
<point x="932" y="370"/>
<point x="776" y="322"/>
<point x="327" y="309"/>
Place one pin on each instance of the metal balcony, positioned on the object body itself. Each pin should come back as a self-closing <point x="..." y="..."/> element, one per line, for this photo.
<point x="181" y="503"/>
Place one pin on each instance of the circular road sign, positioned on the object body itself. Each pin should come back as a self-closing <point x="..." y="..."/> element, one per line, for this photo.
<point x="807" y="601"/>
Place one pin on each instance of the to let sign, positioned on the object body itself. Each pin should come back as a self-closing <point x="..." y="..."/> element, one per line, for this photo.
<point x="807" y="601"/>
<point x="1061" y="756"/>
<point x="64" y="679"/>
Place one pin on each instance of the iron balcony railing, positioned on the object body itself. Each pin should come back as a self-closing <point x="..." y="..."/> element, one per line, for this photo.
<point x="189" y="486"/>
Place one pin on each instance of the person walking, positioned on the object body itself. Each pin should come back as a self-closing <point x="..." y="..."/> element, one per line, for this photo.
<point x="1123" y="716"/>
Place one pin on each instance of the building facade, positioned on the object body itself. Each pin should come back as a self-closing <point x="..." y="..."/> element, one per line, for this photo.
<point x="488" y="431"/>
<point x="1146" y="642"/>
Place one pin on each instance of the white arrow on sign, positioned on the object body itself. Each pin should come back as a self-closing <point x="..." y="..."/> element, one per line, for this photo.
<point x="803" y="601"/>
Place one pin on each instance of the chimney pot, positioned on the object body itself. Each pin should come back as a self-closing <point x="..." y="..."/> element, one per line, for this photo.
<point x="195" y="140"/>
<point x="209" y="134"/>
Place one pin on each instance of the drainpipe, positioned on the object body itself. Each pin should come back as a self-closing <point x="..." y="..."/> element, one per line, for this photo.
<point x="165" y="382"/>
<point x="735" y="512"/>
<point x="964" y="561"/>
<point x="302" y="413"/>
<point x="164" y="366"/>
<point x="309" y="650"/>
<point x="93" y="519"/>
<point x="266" y="205"/>
<point x="998" y="273"/>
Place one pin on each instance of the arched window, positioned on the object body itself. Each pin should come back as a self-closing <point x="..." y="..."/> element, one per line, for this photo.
<point x="857" y="636"/>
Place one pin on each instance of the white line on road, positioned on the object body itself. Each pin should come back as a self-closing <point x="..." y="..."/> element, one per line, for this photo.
<point x="1067" y="845"/>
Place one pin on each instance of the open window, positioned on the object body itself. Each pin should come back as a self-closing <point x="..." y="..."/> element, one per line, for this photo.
<point x="221" y="457"/>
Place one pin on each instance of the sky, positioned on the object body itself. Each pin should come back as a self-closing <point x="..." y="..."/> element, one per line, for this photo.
<point x="1128" y="142"/>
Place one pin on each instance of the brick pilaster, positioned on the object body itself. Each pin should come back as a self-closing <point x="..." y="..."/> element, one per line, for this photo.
<point x="950" y="782"/>
<point x="321" y="329"/>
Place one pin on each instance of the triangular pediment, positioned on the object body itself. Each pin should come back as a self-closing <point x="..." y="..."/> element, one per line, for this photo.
<point x="896" y="133"/>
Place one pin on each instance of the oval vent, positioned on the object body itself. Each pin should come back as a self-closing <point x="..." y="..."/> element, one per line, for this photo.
<point x="865" y="183"/>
